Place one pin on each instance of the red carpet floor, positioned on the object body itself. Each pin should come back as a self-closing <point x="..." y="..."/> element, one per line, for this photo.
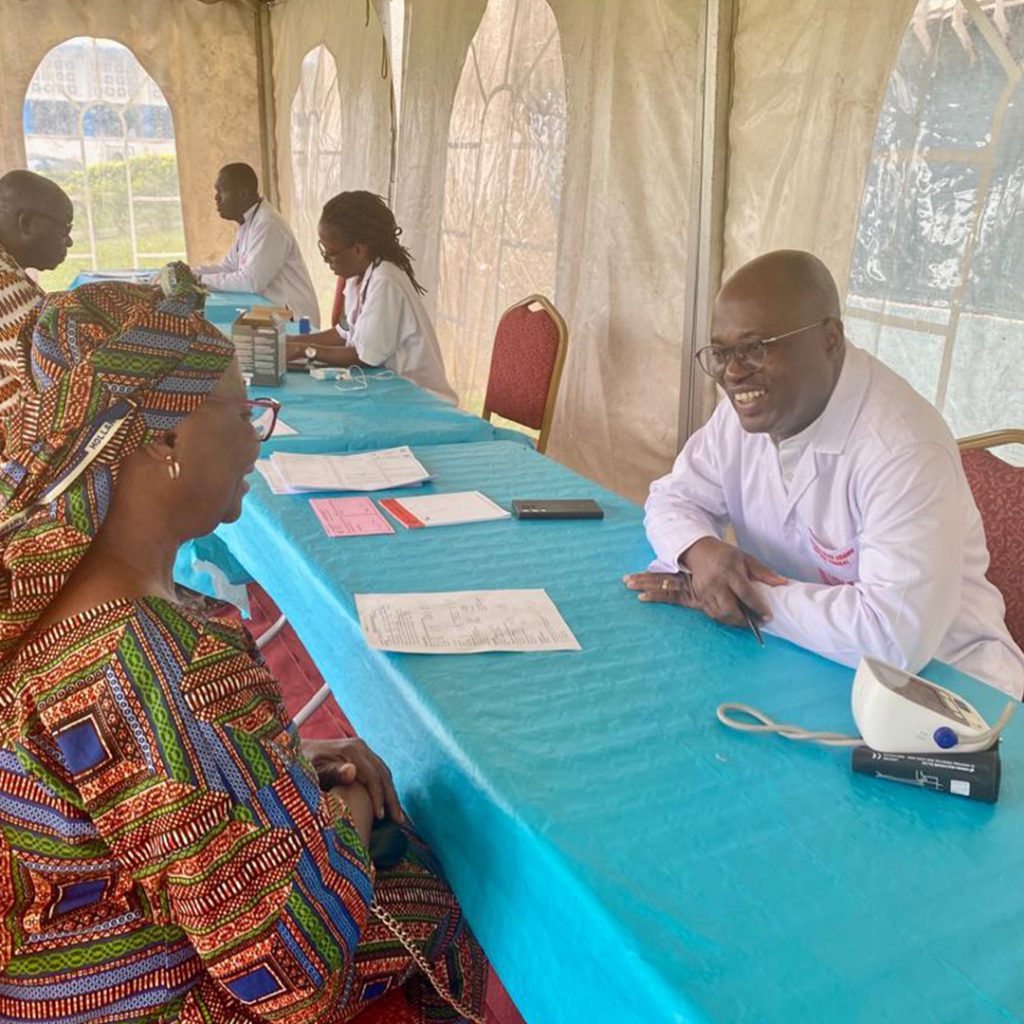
<point x="294" y="670"/>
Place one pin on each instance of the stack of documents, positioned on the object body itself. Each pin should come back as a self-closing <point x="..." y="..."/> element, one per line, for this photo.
<point x="290" y="473"/>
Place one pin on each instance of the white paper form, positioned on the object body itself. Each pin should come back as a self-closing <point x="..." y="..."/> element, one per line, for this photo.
<point x="448" y="509"/>
<point x="365" y="471"/>
<point x="464" y="622"/>
<point x="266" y="470"/>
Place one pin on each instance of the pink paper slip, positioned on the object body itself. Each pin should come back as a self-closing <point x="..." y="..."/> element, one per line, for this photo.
<point x="348" y="517"/>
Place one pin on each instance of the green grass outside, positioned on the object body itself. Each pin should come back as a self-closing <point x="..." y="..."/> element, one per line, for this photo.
<point x="113" y="253"/>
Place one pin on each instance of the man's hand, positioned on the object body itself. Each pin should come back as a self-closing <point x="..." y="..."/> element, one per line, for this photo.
<point x="721" y="576"/>
<point x="343" y="762"/>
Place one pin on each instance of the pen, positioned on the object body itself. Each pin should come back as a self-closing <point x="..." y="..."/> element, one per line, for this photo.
<point x="752" y="623"/>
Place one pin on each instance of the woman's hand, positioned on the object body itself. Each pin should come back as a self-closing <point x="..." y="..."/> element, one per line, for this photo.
<point x="344" y="762"/>
<point x="360" y="807"/>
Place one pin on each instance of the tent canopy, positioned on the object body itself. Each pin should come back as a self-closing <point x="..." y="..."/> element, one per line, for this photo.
<point x="619" y="156"/>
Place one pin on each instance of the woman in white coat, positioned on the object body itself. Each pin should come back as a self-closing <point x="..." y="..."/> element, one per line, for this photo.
<point x="385" y="323"/>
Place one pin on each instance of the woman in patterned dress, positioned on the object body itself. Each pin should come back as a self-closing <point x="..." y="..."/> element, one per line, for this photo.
<point x="166" y="852"/>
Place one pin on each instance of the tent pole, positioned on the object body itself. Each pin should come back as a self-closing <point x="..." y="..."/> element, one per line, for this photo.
<point x="268" y="126"/>
<point x="707" y="204"/>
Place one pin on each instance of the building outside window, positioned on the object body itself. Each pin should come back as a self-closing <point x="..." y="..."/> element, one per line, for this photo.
<point x="98" y="125"/>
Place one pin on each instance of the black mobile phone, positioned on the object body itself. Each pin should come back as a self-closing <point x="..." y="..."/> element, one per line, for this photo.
<point x="556" y="508"/>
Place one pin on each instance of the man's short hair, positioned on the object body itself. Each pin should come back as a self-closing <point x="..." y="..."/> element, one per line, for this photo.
<point x="241" y="176"/>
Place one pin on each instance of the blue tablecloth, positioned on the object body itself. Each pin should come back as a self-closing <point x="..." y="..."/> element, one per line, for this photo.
<point x="623" y="857"/>
<point x="390" y="411"/>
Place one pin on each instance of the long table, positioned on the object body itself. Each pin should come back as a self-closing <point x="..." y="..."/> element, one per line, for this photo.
<point x="390" y="411"/>
<point x="623" y="857"/>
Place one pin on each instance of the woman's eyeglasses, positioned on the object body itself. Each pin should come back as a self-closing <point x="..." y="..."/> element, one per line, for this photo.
<point x="326" y="255"/>
<point x="263" y="413"/>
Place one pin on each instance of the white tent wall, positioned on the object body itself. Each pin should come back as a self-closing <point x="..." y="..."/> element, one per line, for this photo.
<point x="202" y="56"/>
<point x="630" y="82"/>
<point x="437" y="38"/>
<point x="629" y="69"/>
<point x="352" y="33"/>
<point x="809" y="77"/>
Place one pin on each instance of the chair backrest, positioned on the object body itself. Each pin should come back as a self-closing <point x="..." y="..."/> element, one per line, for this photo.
<point x="338" y="308"/>
<point x="526" y="365"/>
<point x="998" y="490"/>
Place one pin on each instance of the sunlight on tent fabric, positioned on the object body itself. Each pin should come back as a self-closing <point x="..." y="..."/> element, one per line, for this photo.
<point x="317" y="156"/>
<point x="503" y="185"/>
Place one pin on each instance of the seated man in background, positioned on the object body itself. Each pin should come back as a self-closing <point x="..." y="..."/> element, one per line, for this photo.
<point x="35" y="231"/>
<point x="265" y="258"/>
<point x="856" y="529"/>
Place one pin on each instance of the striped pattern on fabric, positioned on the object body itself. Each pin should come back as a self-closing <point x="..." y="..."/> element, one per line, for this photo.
<point x="166" y="854"/>
<point x="19" y="295"/>
<point x="103" y="348"/>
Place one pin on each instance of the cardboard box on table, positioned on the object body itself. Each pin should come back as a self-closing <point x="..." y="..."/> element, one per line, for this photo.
<point x="259" y="339"/>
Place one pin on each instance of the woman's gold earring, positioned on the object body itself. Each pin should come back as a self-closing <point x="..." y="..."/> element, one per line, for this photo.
<point x="173" y="467"/>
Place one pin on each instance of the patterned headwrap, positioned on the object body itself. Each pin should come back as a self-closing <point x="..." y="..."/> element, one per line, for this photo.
<point x="113" y="367"/>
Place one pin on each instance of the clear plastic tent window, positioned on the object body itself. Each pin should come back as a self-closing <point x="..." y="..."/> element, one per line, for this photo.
<point x="934" y="285"/>
<point x="97" y="124"/>
<point x="317" y="159"/>
<point x="503" y="185"/>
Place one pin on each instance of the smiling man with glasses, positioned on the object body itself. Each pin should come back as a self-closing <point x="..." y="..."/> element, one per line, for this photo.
<point x="35" y="231"/>
<point x="856" y="532"/>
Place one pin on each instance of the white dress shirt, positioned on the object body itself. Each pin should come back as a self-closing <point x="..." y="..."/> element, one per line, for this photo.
<point x="877" y="528"/>
<point x="389" y="327"/>
<point x="266" y="260"/>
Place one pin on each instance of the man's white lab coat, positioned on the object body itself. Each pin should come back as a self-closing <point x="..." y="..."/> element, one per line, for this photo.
<point x="265" y="259"/>
<point x="877" y="528"/>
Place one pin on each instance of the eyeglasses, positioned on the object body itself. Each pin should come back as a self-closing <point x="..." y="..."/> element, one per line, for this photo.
<point x="326" y="255"/>
<point x="714" y="359"/>
<point x="264" y="420"/>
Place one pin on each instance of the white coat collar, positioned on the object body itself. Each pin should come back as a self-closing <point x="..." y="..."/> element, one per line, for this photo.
<point x="831" y="430"/>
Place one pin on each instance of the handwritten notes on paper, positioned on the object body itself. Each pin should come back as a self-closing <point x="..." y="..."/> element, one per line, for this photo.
<point x="464" y="622"/>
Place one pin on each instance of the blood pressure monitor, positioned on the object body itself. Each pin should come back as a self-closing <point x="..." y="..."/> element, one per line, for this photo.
<point x="898" y="712"/>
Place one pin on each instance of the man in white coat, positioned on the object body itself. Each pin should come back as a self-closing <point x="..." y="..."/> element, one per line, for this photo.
<point x="856" y="530"/>
<point x="265" y="258"/>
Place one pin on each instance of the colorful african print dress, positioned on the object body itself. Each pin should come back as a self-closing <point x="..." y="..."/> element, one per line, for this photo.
<point x="166" y="855"/>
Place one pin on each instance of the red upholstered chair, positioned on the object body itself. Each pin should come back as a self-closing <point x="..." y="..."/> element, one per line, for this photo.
<point x="526" y="365"/>
<point x="998" y="490"/>
<point x="338" y="309"/>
